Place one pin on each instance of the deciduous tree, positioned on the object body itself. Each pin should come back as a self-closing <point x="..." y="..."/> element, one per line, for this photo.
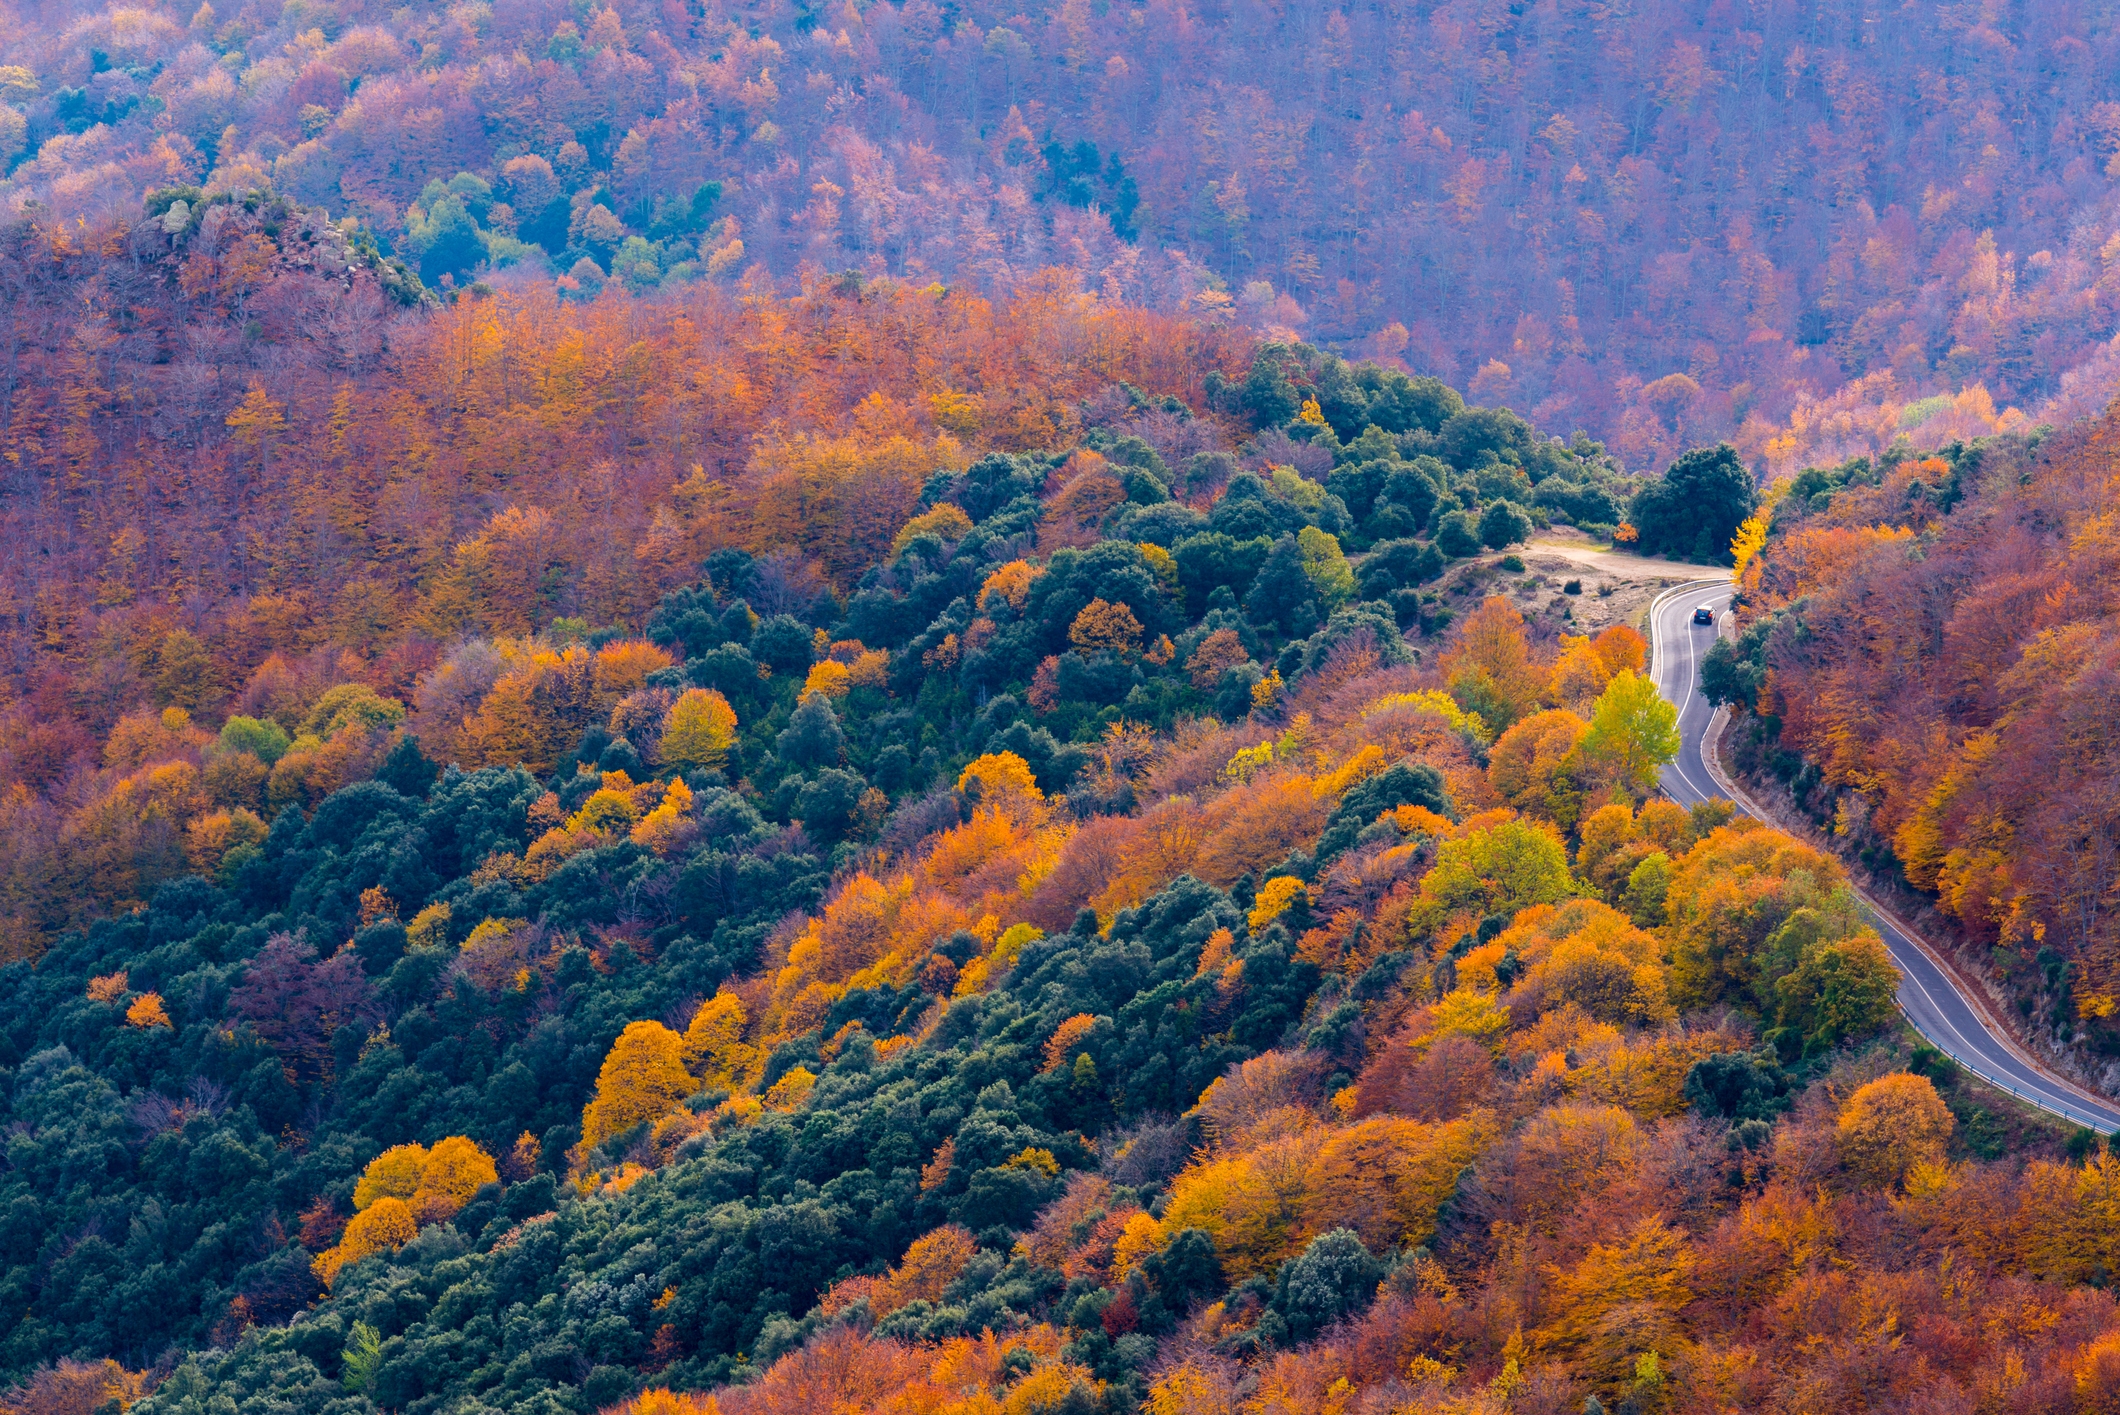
<point x="699" y="730"/>
<point x="643" y="1077"/>
<point x="1891" y="1125"/>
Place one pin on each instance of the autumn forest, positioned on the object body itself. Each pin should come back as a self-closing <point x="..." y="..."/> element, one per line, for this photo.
<point x="744" y="709"/>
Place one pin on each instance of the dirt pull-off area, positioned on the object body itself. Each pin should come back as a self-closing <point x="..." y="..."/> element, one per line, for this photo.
<point x="1612" y="587"/>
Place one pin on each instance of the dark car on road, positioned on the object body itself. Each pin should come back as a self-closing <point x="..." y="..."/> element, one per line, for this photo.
<point x="1705" y="614"/>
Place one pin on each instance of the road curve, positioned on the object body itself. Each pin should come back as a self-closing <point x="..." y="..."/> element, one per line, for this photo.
<point x="1928" y="994"/>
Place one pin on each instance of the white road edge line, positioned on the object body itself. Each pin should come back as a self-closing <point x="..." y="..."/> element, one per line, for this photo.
<point x="2045" y="1092"/>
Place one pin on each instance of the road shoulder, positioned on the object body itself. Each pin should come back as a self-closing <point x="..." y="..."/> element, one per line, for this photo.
<point x="1969" y="989"/>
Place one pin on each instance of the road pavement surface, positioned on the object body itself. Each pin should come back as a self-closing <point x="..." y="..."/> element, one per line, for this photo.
<point x="1929" y="995"/>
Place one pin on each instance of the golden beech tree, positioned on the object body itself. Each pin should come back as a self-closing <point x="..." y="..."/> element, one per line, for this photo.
<point x="668" y="825"/>
<point x="393" y="1174"/>
<point x="1624" y="1300"/>
<point x="998" y="777"/>
<point x="1386" y="1177"/>
<point x="1891" y="1125"/>
<point x="643" y="1078"/>
<point x="699" y="730"/>
<point x="1587" y="665"/>
<point x="384" y="1226"/>
<point x="841" y="500"/>
<point x="714" y="1048"/>
<point x="1105" y="628"/>
<point x="834" y="680"/>
<point x="1468" y="1013"/>
<point x="1196" y="1387"/>
<point x="1569" y="1149"/>
<point x="148" y="1012"/>
<point x="1614" y="839"/>
<point x="71" y="1387"/>
<point x="456" y="1169"/>
<point x="524" y="719"/>
<point x="1751" y="538"/>
<point x="1275" y="898"/>
<point x="1584" y="953"/>
<point x="2071" y="1214"/>
<point x="433" y="1183"/>
<point x="622" y="667"/>
<point x="659" y="1400"/>
<point x="1577" y="677"/>
<point x="1009" y="585"/>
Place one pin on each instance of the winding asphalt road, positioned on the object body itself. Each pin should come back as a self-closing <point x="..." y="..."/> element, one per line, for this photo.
<point x="1931" y="999"/>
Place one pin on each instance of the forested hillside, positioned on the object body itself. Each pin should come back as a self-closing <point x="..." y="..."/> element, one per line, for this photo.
<point x="265" y="485"/>
<point x="886" y="849"/>
<point x="746" y="708"/>
<point x="1930" y="659"/>
<point x="1802" y="228"/>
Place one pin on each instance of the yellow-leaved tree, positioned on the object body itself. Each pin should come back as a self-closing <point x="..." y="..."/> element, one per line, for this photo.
<point x="698" y="730"/>
<point x="393" y="1174"/>
<point x="1633" y="732"/>
<point x="1751" y="538"/>
<point x="1105" y="628"/>
<point x="714" y="1049"/>
<point x="434" y="1184"/>
<point x="665" y="828"/>
<point x="1892" y="1124"/>
<point x="643" y="1078"/>
<point x="147" y="1011"/>
<point x="456" y="1169"/>
<point x="1000" y="776"/>
<point x="384" y="1226"/>
<point x="1386" y="1178"/>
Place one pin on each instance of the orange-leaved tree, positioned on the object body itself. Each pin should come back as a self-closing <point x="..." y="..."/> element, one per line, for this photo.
<point x="1535" y="767"/>
<point x="1105" y="628"/>
<point x="1489" y="666"/>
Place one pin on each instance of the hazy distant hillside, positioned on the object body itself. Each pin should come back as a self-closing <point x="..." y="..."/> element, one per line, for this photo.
<point x="1726" y="214"/>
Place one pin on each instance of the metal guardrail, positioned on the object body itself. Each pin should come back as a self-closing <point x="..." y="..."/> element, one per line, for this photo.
<point x="2053" y="1107"/>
